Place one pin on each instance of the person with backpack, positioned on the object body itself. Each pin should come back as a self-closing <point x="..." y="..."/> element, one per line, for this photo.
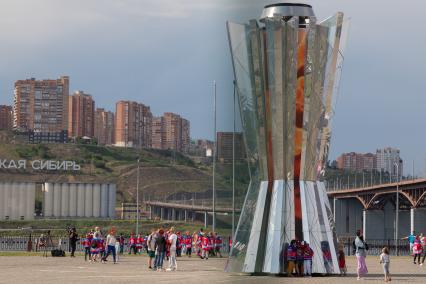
<point x="361" y="253"/>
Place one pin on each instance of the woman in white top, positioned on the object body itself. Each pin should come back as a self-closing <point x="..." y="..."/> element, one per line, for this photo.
<point x="360" y="253"/>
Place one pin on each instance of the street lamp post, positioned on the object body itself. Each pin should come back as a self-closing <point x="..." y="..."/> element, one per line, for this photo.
<point x="214" y="161"/>
<point x="233" y="169"/>
<point x="397" y="208"/>
<point x="137" y="200"/>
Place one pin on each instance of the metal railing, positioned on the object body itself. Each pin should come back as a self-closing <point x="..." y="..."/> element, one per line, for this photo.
<point x="375" y="247"/>
<point x="20" y="243"/>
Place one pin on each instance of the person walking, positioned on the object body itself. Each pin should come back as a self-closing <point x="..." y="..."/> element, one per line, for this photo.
<point x="173" y="247"/>
<point x="160" y="249"/>
<point x="385" y="261"/>
<point x="361" y="253"/>
<point x="73" y="240"/>
<point x="110" y="242"/>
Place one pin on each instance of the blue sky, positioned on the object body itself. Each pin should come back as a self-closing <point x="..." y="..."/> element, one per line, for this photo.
<point x="166" y="53"/>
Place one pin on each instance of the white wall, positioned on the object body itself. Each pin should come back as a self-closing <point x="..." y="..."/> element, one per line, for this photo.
<point x="17" y="200"/>
<point x="60" y="200"/>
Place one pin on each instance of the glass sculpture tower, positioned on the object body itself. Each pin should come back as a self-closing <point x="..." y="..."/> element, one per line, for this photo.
<point x="287" y="69"/>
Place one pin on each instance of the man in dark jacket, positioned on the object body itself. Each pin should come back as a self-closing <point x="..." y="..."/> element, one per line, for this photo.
<point x="73" y="240"/>
<point x="160" y="249"/>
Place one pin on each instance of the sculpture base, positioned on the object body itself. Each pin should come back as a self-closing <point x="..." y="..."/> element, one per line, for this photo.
<point x="258" y="251"/>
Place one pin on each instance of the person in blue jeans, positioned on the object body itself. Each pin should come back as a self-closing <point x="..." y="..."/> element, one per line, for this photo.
<point x="110" y="242"/>
<point x="160" y="249"/>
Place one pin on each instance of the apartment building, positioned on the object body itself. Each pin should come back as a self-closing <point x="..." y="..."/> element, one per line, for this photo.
<point x="81" y="115"/>
<point x="133" y="125"/>
<point x="171" y="132"/>
<point x="41" y="105"/>
<point x="6" y="117"/>
<point x="104" y="126"/>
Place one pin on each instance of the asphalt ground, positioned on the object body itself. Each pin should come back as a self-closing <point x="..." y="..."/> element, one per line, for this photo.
<point x="133" y="269"/>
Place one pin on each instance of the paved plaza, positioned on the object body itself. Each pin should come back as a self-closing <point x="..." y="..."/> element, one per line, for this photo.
<point x="133" y="269"/>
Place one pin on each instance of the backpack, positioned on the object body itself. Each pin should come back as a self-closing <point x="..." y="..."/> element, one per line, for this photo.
<point x="353" y="248"/>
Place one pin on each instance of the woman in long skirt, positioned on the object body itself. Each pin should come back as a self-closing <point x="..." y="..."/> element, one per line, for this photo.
<point x="360" y="255"/>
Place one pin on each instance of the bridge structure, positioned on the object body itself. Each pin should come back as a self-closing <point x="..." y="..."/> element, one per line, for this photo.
<point x="373" y="209"/>
<point x="176" y="211"/>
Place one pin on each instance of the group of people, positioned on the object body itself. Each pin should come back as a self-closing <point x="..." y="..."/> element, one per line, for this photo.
<point x="417" y="247"/>
<point x="98" y="248"/>
<point x="299" y="258"/>
<point x="159" y="245"/>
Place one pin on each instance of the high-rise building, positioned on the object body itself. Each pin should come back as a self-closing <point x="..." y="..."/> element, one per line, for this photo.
<point x="388" y="160"/>
<point x="225" y="144"/>
<point x="133" y="125"/>
<point x="356" y="161"/>
<point x="41" y="106"/>
<point x="104" y="126"/>
<point x="186" y="136"/>
<point x="157" y="132"/>
<point x="81" y="115"/>
<point x="6" y="117"/>
<point x="171" y="132"/>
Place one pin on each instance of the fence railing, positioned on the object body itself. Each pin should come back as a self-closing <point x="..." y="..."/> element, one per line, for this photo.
<point x="20" y="243"/>
<point x="375" y="247"/>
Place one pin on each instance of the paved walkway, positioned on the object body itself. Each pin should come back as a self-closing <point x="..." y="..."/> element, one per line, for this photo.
<point x="132" y="269"/>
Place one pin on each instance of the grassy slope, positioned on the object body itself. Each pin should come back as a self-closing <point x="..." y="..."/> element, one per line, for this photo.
<point x="162" y="174"/>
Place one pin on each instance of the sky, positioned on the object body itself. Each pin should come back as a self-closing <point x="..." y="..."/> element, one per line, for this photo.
<point x="166" y="54"/>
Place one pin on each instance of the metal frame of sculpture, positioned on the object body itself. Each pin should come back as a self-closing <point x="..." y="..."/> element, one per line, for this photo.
<point x="287" y="69"/>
